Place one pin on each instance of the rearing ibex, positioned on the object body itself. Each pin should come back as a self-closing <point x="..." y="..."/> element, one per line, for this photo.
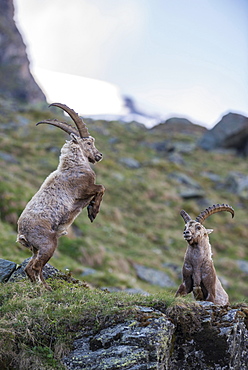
<point x="62" y="196"/>
<point x="198" y="271"/>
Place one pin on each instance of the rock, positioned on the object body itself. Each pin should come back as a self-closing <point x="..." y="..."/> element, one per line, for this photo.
<point x="182" y="147"/>
<point x="167" y="146"/>
<point x="114" y="140"/>
<point x="176" y="158"/>
<point x="161" y="146"/>
<point x="133" y="345"/>
<point x="189" y="187"/>
<point x="130" y="162"/>
<point x="19" y="273"/>
<point x="154" y="276"/>
<point x="6" y="269"/>
<point x="200" y="336"/>
<point x="8" y="158"/>
<point x="243" y="266"/>
<point x="230" y="133"/>
<point x="175" y="268"/>
<point x="184" y="179"/>
<point x="217" y="341"/>
<point x="187" y="193"/>
<point x="88" y="271"/>
<point x="17" y="82"/>
<point x="212" y="176"/>
<point x="237" y="183"/>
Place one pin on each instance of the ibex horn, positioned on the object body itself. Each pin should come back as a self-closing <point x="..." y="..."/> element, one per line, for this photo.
<point x="63" y="125"/>
<point x="82" y="129"/>
<point x="185" y="216"/>
<point x="214" y="209"/>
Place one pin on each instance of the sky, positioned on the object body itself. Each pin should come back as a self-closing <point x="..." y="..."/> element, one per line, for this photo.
<point x="184" y="58"/>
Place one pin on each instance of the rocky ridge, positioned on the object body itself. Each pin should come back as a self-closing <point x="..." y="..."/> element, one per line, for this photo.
<point x="230" y="133"/>
<point x="17" y="82"/>
<point x="186" y="336"/>
<point x="213" y="338"/>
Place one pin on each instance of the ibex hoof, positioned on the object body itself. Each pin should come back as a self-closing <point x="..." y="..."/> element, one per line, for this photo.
<point x="198" y="294"/>
<point x="91" y="213"/>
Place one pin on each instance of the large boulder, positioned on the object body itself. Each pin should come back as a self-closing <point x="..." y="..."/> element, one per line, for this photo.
<point x="6" y="269"/>
<point x="11" y="272"/>
<point x="201" y="336"/>
<point x="230" y="133"/>
<point x="132" y="345"/>
<point x="19" y="273"/>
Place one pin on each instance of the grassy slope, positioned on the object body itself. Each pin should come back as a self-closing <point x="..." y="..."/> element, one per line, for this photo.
<point x="37" y="327"/>
<point x="139" y="220"/>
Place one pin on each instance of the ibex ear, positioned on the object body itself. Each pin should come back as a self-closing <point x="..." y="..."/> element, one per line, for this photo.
<point x="74" y="138"/>
<point x="209" y="231"/>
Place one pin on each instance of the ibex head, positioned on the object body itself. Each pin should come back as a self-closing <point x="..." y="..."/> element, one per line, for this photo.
<point x="79" y="135"/>
<point x="194" y="230"/>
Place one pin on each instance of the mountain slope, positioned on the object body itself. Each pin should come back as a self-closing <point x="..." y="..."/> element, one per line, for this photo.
<point x="149" y="175"/>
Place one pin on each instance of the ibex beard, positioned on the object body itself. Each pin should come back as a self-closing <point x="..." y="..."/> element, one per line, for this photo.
<point x="62" y="196"/>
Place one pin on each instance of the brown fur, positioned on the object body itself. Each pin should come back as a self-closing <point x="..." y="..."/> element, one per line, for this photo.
<point x="59" y="201"/>
<point x="198" y="271"/>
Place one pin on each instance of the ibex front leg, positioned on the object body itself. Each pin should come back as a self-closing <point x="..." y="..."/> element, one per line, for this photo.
<point x="94" y="205"/>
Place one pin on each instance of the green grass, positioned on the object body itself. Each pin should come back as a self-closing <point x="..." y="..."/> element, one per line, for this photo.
<point x="139" y="221"/>
<point x="37" y="327"/>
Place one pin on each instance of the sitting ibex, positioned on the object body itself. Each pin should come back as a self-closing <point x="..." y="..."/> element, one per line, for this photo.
<point x="198" y="270"/>
<point x="62" y="196"/>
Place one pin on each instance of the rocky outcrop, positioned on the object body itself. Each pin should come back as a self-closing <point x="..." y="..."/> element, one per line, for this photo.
<point x="178" y="124"/>
<point x="17" y="82"/>
<point x="11" y="272"/>
<point x="230" y="133"/>
<point x="185" y="336"/>
<point x="136" y="344"/>
<point x="200" y="336"/>
<point x="237" y="183"/>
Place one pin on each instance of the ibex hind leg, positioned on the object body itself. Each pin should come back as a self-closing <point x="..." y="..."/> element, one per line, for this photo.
<point x="186" y="286"/>
<point x="29" y="268"/>
<point x="40" y="258"/>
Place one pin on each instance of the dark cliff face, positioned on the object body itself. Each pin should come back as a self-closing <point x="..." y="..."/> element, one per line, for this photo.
<point x="16" y="81"/>
<point x="230" y="133"/>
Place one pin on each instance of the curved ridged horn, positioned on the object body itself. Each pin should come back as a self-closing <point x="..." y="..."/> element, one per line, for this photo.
<point x="63" y="125"/>
<point x="83" y="131"/>
<point x="214" y="209"/>
<point x="185" y="216"/>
